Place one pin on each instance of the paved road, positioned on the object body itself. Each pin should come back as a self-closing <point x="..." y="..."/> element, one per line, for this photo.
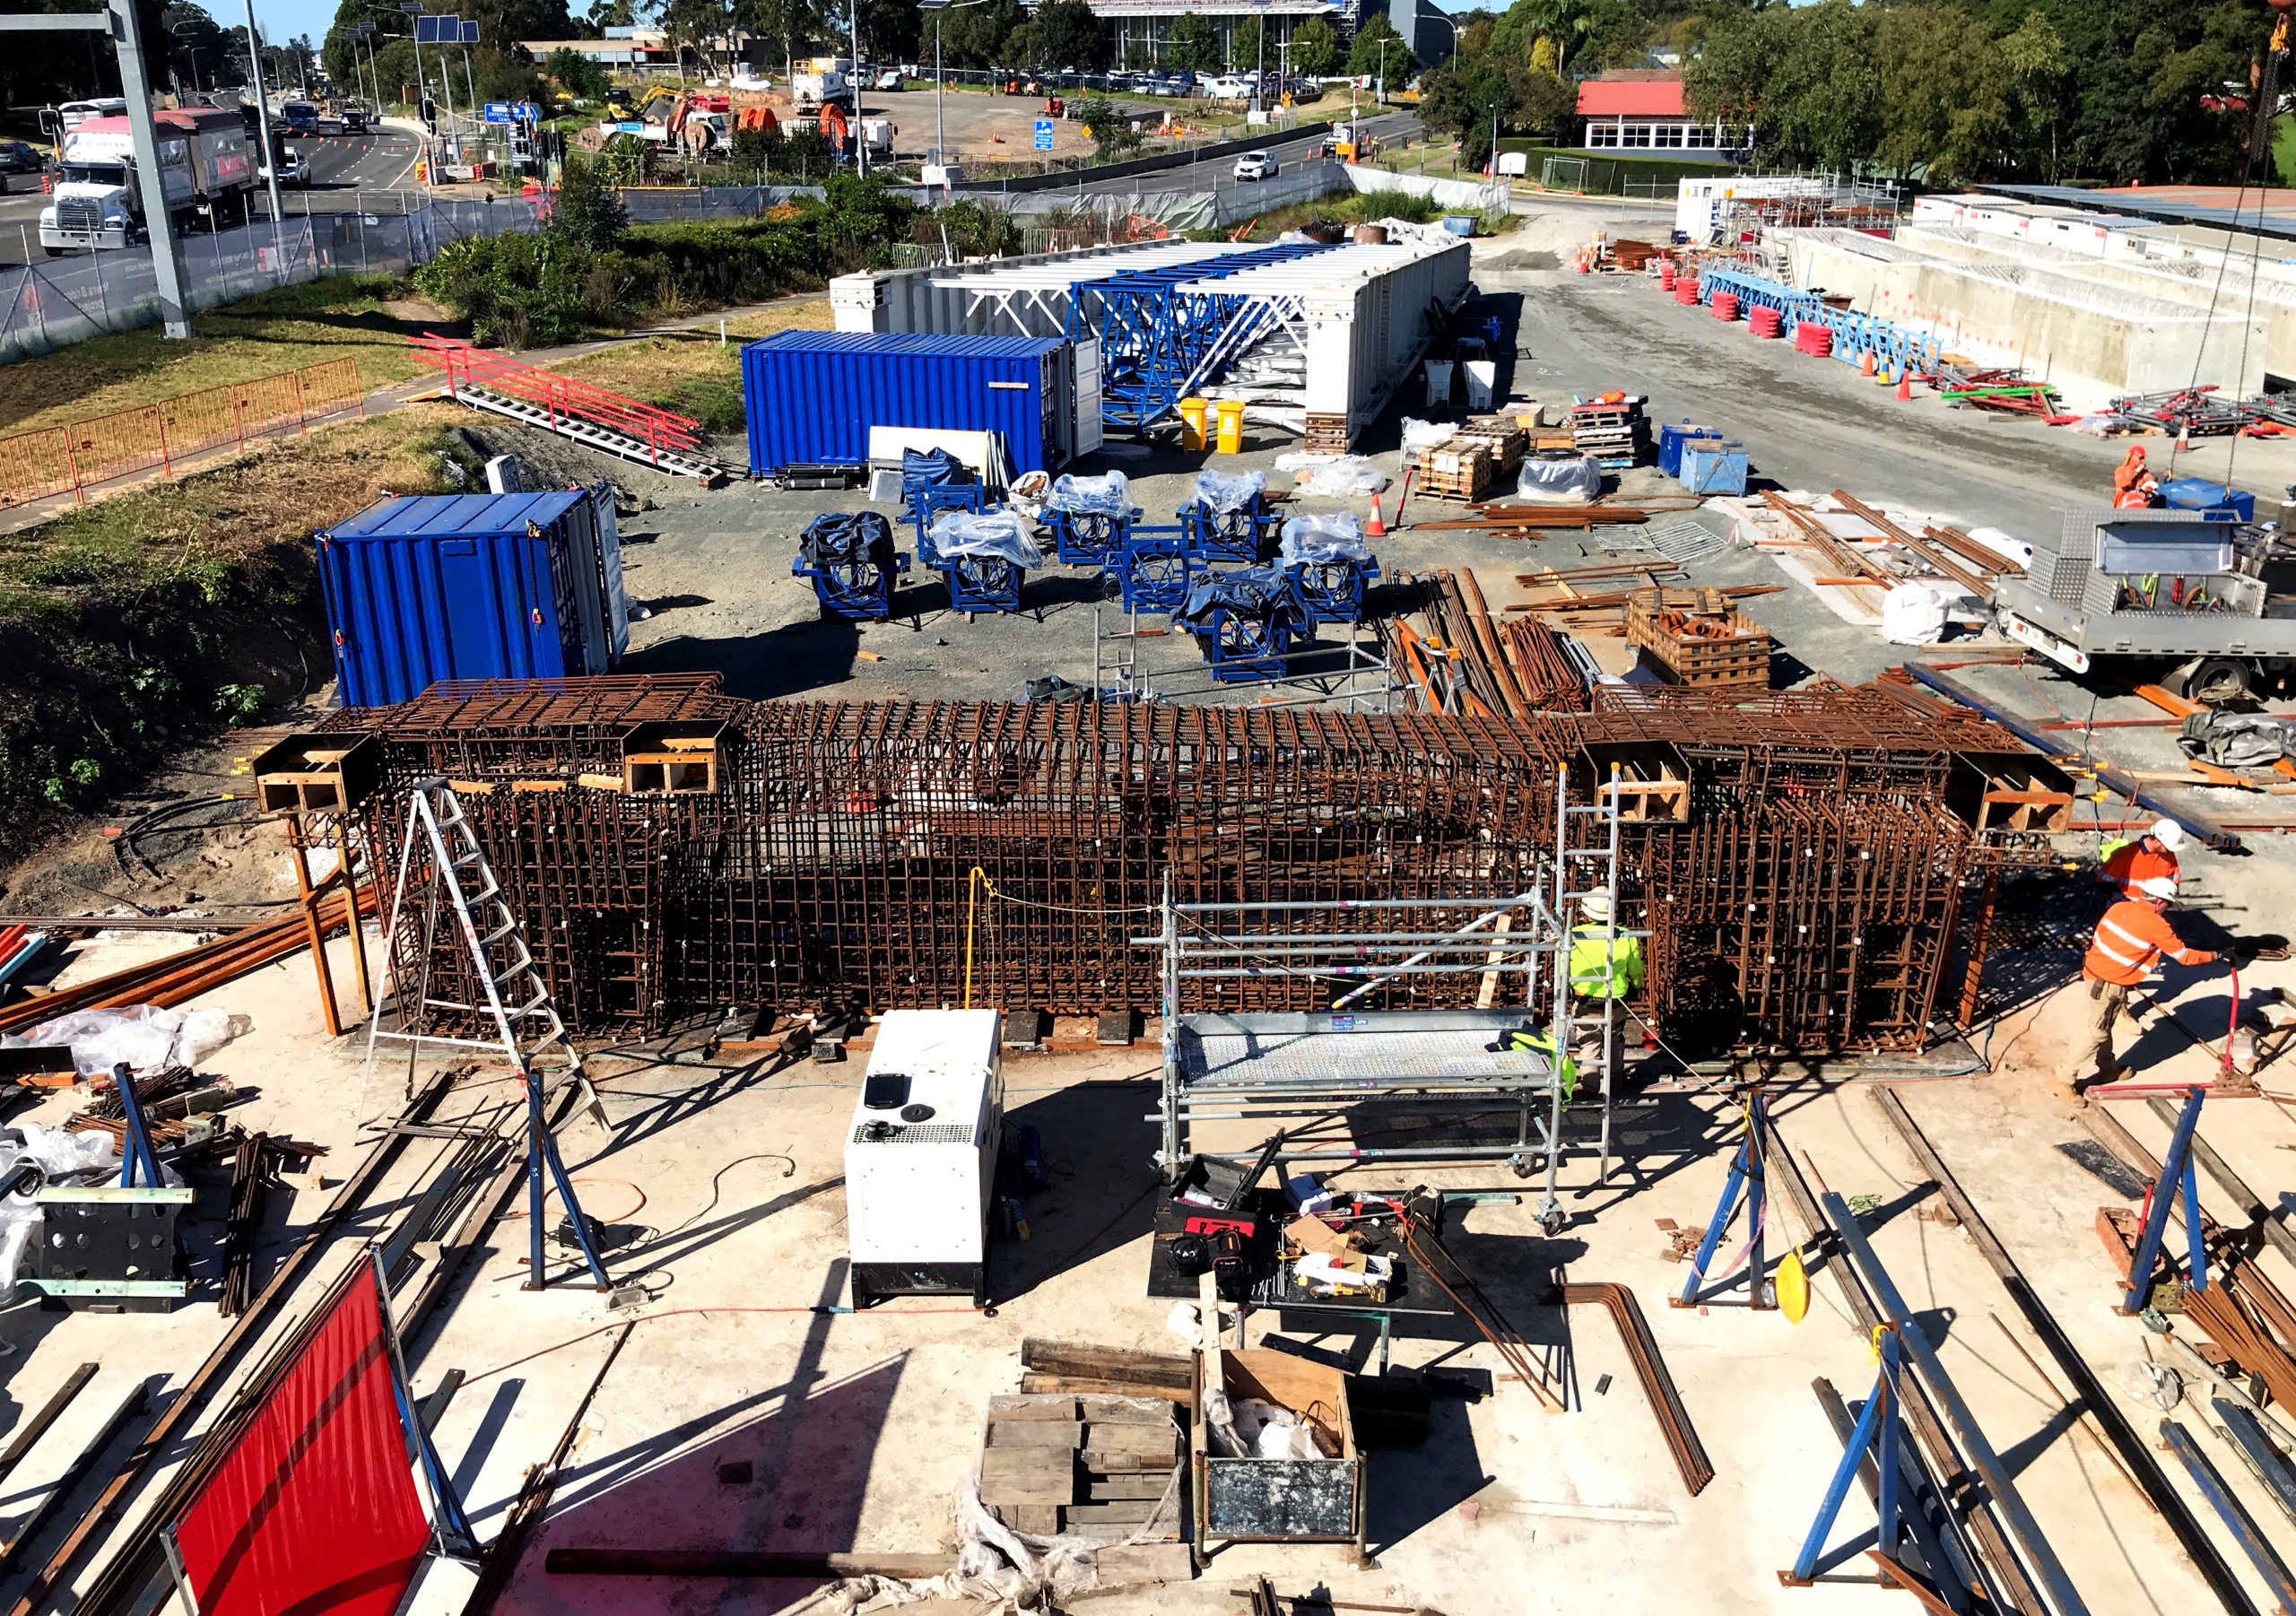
<point x="347" y="171"/>
<point x="1218" y="173"/>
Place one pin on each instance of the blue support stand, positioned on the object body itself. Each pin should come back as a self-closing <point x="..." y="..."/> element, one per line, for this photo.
<point x="1877" y="1433"/>
<point x="1243" y="534"/>
<point x="981" y="583"/>
<point x="451" y="1532"/>
<point x="1331" y="591"/>
<point x="925" y="498"/>
<point x="1747" y="1179"/>
<point x="2176" y="1182"/>
<point x="542" y="1161"/>
<point x="1088" y="538"/>
<point x="138" y="1161"/>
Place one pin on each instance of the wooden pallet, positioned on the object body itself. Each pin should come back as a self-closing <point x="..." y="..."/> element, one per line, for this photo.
<point x="1326" y="434"/>
<point x="1449" y="471"/>
<point x="1101" y="1466"/>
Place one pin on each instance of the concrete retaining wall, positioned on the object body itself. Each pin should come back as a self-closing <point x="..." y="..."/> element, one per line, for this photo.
<point x="2092" y="340"/>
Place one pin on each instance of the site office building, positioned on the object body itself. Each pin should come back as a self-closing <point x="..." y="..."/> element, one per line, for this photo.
<point x="1644" y="111"/>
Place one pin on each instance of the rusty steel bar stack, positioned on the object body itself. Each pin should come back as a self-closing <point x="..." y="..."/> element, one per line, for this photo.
<point x="1807" y="891"/>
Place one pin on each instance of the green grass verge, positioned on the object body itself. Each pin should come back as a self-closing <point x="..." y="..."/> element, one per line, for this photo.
<point x="689" y="371"/>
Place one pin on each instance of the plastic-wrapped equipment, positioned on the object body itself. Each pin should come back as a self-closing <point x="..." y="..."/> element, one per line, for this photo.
<point x="848" y="538"/>
<point x="1246" y="592"/>
<point x="1425" y="434"/>
<point x="1349" y="477"/>
<point x="1109" y="494"/>
<point x="146" y="1036"/>
<point x="992" y="532"/>
<point x="1225" y="491"/>
<point x="1329" y="537"/>
<point x="1560" y="477"/>
<point x="932" y="468"/>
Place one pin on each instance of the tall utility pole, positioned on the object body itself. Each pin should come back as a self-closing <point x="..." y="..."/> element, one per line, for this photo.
<point x="262" y="126"/>
<point x="860" y="140"/>
<point x="119" y="20"/>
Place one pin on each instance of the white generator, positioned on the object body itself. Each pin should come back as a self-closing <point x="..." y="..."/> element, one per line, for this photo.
<point x="920" y="1158"/>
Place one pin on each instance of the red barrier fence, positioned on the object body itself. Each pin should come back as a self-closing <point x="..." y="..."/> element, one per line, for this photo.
<point x="53" y="460"/>
<point x="560" y="398"/>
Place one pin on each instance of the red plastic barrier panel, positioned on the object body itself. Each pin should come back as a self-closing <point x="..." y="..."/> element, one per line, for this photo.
<point x="314" y="1508"/>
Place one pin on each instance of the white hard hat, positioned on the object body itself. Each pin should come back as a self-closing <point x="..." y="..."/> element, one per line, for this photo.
<point x="2158" y="886"/>
<point x="1596" y="905"/>
<point x="2170" y="834"/>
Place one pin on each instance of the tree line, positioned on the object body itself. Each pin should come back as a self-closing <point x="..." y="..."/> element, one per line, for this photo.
<point x="1940" y="90"/>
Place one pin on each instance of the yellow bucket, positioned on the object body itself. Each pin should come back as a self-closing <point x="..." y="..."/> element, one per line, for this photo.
<point x="1231" y="426"/>
<point x="1192" y="412"/>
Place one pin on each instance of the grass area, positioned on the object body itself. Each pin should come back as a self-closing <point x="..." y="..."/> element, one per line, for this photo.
<point x="689" y="371"/>
<point x="198" y="530"/>
<point x="261" y="335"/>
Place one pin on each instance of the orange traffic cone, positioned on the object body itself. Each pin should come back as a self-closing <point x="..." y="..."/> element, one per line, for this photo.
<point x="1866" y="367"/>
<point x="1905" y="385"/>
<point x="2184" y="434"/>
<point x="1375" y="528"/>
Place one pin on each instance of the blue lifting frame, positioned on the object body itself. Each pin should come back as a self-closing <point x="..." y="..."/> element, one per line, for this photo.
<point x="924" y="499"/>
<point x="1748" y="1181"/>
<point x="1331" y="591"/>
<point x="1895" y="347"/>
<point x="981" y="583"/>
<point x="1088" y="538"/>
<point x="2176" y="1183"/>
<point x="1156" y="341"/>
<point x="1246" y="647"/>
<point x="1155" y="569"/>
<point x="861" y="590"/>
<point x="1246" y="534"/>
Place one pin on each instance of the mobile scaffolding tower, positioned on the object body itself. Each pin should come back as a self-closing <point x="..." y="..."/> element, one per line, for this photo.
<point x="1320" y="1075"/>
<point x="1353" y="674"/>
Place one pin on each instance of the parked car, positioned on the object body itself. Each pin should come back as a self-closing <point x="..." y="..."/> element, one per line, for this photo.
<point x="1228" y="89"/>
<point x="889" y="79"/>
<point x="18" y="157"/>
<point x="292" y="168"/>
<point x="1255" y="165"/>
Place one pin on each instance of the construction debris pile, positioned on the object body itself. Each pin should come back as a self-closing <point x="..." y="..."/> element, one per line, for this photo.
<point x="676" y="853"/>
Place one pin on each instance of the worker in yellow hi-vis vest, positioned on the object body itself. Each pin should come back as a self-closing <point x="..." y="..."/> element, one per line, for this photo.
<point x="1603" y="966"/>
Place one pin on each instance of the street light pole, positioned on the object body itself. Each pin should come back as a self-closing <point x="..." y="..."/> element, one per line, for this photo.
<point x="263" y="131"/>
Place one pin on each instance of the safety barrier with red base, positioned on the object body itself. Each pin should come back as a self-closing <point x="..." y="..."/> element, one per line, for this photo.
<point x="587" y="414"/>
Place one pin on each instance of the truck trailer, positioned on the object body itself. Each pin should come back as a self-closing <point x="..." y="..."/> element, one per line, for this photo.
<point x="2199" y="600"/>
<point x="207" y="172"/>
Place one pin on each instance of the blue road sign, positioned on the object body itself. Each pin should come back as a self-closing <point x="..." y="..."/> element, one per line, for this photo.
<point x="500" y="112"/>
<point x="528" y="113"/>
<point x="1044" y="134"/>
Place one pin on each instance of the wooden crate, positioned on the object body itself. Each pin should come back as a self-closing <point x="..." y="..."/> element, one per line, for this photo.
<point x="1326" y="434"/>
<point x="1724" y="648"/>
<point x="1455" y="471"/>
<point x="1507" y="441"/>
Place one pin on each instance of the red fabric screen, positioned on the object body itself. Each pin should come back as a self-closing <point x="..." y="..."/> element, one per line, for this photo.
<point x="314" y="1508"/>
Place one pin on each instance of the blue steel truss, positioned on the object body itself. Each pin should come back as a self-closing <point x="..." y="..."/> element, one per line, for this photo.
<point x="1894" y="347"/>
<point x="1157" y="341"/>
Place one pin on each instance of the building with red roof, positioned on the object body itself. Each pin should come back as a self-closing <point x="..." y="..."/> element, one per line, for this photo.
<point x="1642" y="110"/>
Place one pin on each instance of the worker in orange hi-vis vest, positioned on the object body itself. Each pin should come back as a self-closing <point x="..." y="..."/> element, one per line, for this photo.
<point x="2154" y="855"/>
<point x="2129" y="942"/>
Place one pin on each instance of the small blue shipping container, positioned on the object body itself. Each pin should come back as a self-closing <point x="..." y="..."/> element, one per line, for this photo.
<point x="813" y="396"/>
<point x="472" y="586"/>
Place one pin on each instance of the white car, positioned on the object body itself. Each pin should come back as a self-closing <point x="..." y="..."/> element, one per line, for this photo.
<point x="888" y="80"/>
<point x="1255" y="165"/>
<point x="292" y="168"/>
<point x="1228" y="89"/>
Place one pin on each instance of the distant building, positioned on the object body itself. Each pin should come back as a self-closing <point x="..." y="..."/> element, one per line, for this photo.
<point x="1642" y="110"/>
<point x="1138" y="30"/>
<point x="630" y="52"/>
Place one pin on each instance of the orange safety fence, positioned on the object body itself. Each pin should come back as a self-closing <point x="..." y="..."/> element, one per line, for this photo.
<point x="54" y="460"/>
<point x="560" y="397"/>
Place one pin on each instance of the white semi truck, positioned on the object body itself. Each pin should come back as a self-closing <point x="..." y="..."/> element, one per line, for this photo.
<point x="208" y="170"/>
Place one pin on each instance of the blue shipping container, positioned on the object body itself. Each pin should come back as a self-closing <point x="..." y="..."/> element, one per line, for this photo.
<point x="813" y="396"/>
<point x="428" y="587"/>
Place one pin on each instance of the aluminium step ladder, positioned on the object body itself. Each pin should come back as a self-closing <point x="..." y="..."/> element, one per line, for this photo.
<point x="1568" y="1020"/>
<point x="589" y="433"/>
<point x="514" y="997"/>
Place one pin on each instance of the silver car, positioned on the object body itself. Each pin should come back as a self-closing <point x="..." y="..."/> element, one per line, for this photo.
<point x="1255" y="165"/>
